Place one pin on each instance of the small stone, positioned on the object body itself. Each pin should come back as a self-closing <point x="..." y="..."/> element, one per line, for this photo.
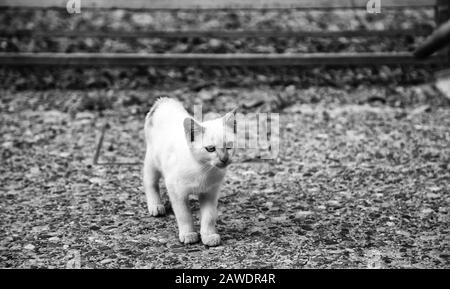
<point x="205" y="95"/>
<point x="403" y="233"/>
<point x="162" y="241"/>
<point x="175" y="246"/>
<point x="106" y="261"/>
<point x="419" y="110"/>
<point x="53" y="239"/>
<point x="427" y="211"/>
<point x="64" y="154"/>
<point x="290" y="90"/>
<point x="15" y="247"/>
<point x="261" y="217"/>
<point x="215" y="43"/>
<point x="97" y="180"/>
<point x="281" y="219"/>
<point x="307" y="227"/>
<point x="154" y="239"/>
<point x="252" y="103"/>
<point x="195" y="249"/>
<point x="35" y="171"/>
<point x="302" y="214"/>
<point x="29" y="247"/>
<point x="255" y="231"/>
<point x="269" y="204"/>
<point x="8" y="144"/>
<point x="334" y="203"/>
<point x="84" y="115"/>
<point x="432" y="195"/>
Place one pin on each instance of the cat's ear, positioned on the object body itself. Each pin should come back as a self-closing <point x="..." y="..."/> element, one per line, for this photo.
<point x="192" y="129"/>
<point x="230" y="119"/>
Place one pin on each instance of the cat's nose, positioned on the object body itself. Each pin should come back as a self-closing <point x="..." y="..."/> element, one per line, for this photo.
<point x="223" y="163"/>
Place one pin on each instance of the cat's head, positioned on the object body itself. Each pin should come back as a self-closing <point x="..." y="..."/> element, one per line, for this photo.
<point x="212" y="142"/>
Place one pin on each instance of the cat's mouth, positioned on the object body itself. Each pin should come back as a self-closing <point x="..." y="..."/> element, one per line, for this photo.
<point x="222" y="165"/>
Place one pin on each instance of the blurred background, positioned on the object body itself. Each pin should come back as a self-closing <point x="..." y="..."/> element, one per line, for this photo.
<point x="362" y="176"/>
<point x="124" y="31"/>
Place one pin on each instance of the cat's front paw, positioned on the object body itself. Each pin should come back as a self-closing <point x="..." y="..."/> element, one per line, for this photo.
<point x="211" y="240"/>
<point x="189" y="238"/>
<point x="156" y="210"/>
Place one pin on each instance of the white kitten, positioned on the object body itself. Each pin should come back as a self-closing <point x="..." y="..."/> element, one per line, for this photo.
<point x="192" y="157"/>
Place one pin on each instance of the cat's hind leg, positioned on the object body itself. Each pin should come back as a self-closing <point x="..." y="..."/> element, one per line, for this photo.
<point x="151" y="178"/>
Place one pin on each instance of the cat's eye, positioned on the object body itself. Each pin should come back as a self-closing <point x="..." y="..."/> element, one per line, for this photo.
<point x="229" y="146"/>
<point x="210" y="149"/>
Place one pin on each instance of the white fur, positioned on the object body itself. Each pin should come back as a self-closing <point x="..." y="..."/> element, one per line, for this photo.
<point x="187" y="167"/>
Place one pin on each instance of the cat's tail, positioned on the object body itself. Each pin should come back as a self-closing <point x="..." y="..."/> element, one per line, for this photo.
<point x="156" y="104"/>
<point x="151" y="112"/>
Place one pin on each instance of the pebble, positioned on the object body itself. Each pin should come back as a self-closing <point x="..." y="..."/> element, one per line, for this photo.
<point x="195" y="249"/>
<point x="178" y="250"/>
<point x="433" y="195"/>
<point x="205" y="95"/>
<point x="261" y="217"/>
<point x="307" y="227"/>
<point x="427" y="211"/>
<point x="84" y="115"/>
<point x="403" y="233"/>
<point x="290" y="90"/>
<point x="94" y="227"/>
<point x="29" y="247"/>
<point x="97" y="180"/>
<point x="333" y="203"/>
<point x="106" y="261"/>
<point x="53" y="239"/>
<point x="252" y="103"/>
<point x="302" y="214"/>
<point x="281" y="219"/>
<point x="175" y="245"/>
<point x="64" y="154"/>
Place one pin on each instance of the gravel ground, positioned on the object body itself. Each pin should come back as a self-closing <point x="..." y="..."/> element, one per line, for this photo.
<point x="359" y="182"/>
